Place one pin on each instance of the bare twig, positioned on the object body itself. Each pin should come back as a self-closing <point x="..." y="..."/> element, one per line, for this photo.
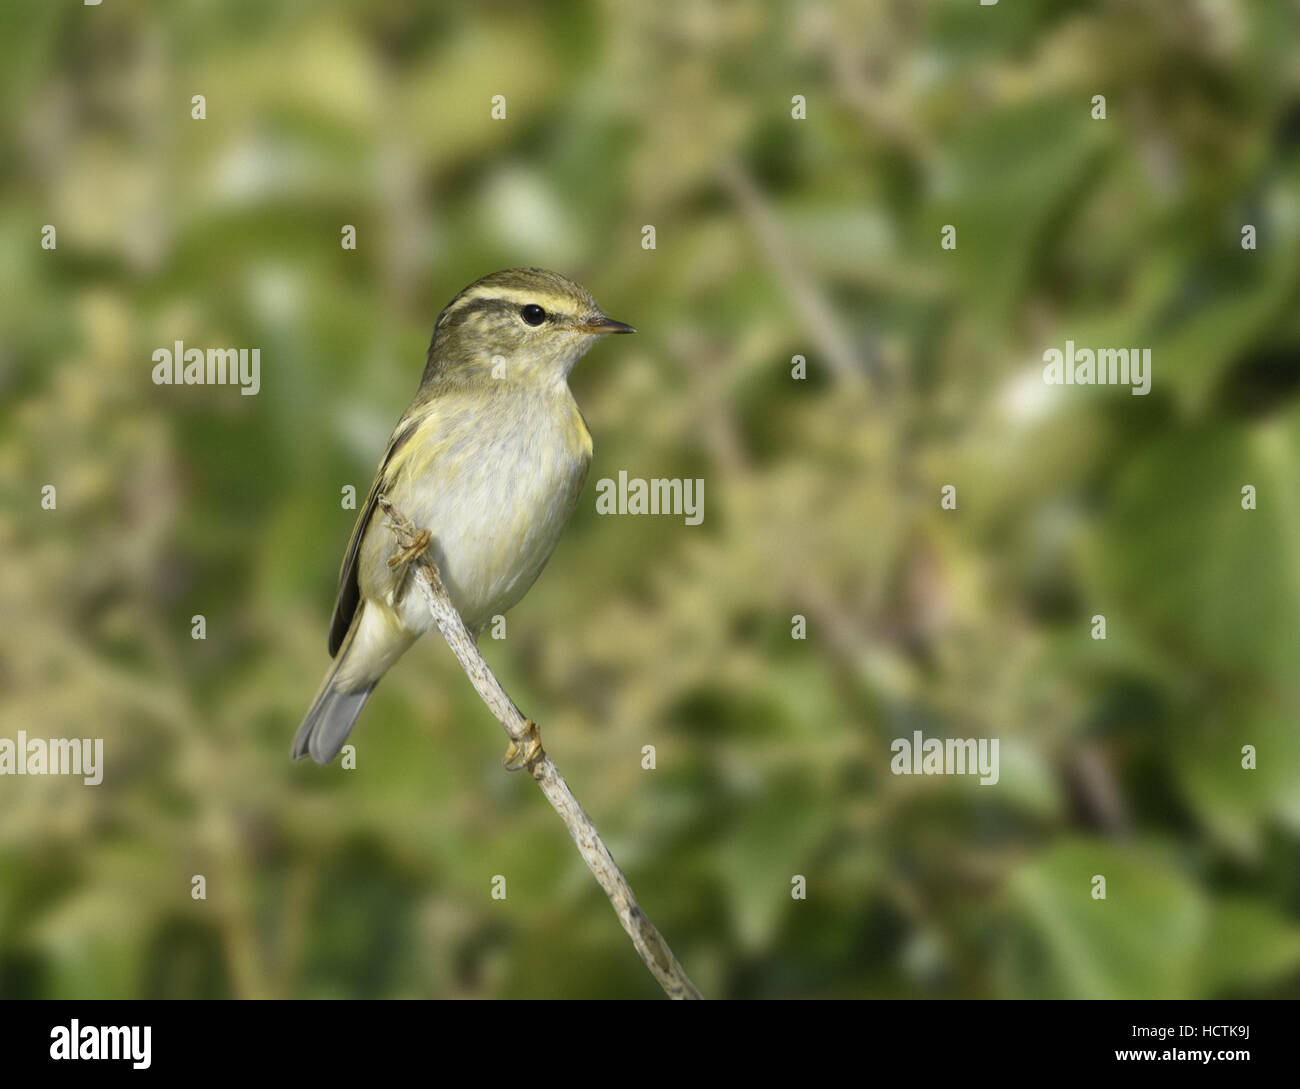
<point x="526" y="751"/>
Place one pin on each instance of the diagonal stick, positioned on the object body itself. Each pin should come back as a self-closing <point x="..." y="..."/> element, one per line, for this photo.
<point x="526" y="747"/>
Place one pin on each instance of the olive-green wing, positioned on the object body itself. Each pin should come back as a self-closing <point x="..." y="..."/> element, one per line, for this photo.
<point x="345" y="607"/>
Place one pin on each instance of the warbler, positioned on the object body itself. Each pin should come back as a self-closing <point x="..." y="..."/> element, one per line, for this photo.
<point x="489" y="459"/>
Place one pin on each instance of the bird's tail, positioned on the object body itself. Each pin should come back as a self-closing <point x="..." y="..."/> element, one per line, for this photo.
<point x="334" y="711"/>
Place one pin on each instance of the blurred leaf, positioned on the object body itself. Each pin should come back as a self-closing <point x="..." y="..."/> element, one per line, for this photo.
<point x="1133" y="944"/>
<point x="1248" y="943"/>
<point x="1232" y="801"/>
<point x="1178" y="550"/>
<point x="774" y="837"/>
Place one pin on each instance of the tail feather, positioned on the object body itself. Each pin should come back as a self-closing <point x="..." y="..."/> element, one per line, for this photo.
<point x="331" y="718"/>
<point x="374" y="641"/>
<point x="335" y="709"/>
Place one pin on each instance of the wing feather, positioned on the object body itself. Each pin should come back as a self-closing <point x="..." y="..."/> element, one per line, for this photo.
<point x="345" y="606"/>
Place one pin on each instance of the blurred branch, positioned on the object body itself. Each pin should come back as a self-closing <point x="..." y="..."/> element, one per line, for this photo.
<point x="526" y="751"/>
<point x="812" y="306"/>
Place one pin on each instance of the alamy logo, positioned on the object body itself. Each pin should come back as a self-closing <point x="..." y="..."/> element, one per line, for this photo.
<point x="946" y="756"/>
<point x="1104" y="367"/>
<point x="82" y="756"/>
<point x="660" y="495"/>
<point x="182" y="366"/>
<point x="78" y="1041"/>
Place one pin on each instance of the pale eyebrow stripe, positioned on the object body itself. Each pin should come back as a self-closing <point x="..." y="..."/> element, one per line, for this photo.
<point x="511" y="295"/>
<point x="458" y="313"/>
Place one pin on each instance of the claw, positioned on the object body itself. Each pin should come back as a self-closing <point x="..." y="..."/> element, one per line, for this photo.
<point x="516" y="758"/>
<point x="417" y="548"/>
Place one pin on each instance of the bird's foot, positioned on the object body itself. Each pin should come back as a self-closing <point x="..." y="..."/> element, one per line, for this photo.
<point x="516" y="758"/>
<point x="413" y="551"/>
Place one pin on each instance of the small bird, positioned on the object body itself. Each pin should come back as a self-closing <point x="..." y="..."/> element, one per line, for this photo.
<point x="489" y="459"/>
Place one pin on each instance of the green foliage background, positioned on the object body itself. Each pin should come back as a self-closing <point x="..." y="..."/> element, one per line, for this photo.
<point x="776" y="237"/>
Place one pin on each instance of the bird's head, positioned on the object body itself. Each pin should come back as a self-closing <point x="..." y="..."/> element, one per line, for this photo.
<point x="524" y="323"/>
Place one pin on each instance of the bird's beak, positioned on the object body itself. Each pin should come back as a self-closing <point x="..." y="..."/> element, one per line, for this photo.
<point x="602" y="324"/>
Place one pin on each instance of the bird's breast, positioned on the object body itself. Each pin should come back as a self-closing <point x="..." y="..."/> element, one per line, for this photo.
<point x="495" y="484"/>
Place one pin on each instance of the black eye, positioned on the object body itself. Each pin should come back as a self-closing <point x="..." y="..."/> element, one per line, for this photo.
<point x="533" y="314"/>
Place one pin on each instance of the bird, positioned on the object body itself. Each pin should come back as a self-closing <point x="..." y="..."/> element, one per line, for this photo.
<point x="489" y="459"/>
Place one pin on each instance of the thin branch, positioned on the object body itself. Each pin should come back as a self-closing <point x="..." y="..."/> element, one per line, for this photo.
<point x="526" y="750"/>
